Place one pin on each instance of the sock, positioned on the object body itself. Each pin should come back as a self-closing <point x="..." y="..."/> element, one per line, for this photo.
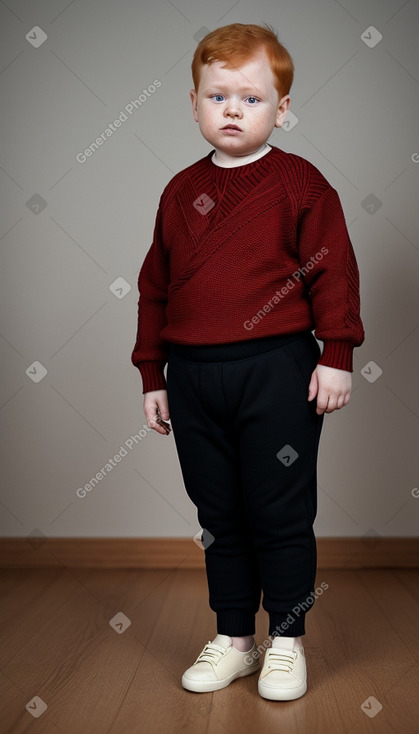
<point x="243" y="651"/>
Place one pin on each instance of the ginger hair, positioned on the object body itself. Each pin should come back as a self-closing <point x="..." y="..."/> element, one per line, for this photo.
<point x="237" y="43"/>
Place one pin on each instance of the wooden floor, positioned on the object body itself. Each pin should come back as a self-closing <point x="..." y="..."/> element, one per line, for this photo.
<point x="362" y="648"/>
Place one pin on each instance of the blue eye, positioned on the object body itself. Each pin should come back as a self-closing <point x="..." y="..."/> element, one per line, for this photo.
<point x="218" y="97"/>
<point x="252" y="98"/>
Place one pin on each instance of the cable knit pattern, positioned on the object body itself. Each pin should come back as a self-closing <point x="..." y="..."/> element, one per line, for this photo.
<point x="243" y="253"/>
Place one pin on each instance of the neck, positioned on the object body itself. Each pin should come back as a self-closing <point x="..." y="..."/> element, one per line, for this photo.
<point x="228" y="161"/>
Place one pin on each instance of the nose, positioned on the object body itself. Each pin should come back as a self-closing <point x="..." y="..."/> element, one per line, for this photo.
<point x="232" y="108"/>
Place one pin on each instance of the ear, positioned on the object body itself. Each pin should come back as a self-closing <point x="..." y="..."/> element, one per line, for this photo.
<point x="194" y="100"/>
<point x="282" y="110"/>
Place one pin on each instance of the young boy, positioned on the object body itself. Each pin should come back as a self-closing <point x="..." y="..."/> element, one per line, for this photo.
<point x="250" y="254"/>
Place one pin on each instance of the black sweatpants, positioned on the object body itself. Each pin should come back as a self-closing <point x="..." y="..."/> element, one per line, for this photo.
<point x="247" y="440"/>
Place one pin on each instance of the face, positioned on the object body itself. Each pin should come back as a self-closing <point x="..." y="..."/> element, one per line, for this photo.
<point x="237" y="109"/>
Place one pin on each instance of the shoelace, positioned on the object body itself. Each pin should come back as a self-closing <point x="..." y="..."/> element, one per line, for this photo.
<point x="211" y="653"/>
<point x="281" y="660"/>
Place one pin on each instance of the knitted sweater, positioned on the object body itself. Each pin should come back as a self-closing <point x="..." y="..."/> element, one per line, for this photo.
<point x="246" y="252"/>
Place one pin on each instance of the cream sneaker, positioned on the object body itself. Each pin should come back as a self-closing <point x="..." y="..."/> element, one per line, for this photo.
<point x="284" y="674"/>
<point x="218" y="664"/>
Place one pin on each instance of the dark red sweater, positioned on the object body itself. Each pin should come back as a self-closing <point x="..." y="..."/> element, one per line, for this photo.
<point x="247" y="252"/>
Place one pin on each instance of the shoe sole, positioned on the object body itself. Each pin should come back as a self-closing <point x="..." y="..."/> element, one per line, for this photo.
<point x="201" y="686"/>
<point x="278" y="694"/>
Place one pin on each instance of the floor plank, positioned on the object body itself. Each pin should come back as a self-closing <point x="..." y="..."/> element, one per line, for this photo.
<point x="56" y="642"/>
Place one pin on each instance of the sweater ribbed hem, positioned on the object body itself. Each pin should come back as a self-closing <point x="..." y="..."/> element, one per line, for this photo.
<point x="236" y="623"/>
<point x="338" y="355"/>
<point x="152" y="376"/>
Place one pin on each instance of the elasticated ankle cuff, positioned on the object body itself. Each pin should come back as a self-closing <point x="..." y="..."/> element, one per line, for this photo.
<point x="286" y="625"/>
<point x="235" y="623"/>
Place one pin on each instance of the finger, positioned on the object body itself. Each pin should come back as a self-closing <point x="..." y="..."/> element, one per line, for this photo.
<point x="157" y="425"/>
<point x="342" y="400"/>
<point x="163" y="408"/>
<point x="163" y="412"/>
<point x="152" y="416"/>
<point x="313" y="386"/>
<point x="166" y="426"/>
<point x="332" y="405"/>
<point x="322" y="403"/>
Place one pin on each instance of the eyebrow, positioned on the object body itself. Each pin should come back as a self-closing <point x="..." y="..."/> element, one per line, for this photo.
<point x="221" y="88"/>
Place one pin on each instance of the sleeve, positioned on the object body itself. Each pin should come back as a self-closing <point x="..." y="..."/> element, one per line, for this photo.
<point x="150" y="351"/>
<point x="330" y="271"/>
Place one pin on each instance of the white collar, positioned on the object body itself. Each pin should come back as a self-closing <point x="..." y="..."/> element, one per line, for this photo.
<point x="242" y="160"/>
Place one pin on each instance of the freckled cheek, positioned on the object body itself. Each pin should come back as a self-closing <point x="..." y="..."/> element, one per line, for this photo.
<point x="266" y="122"/>
<point x="260" y="124"/>
<point x="208" y="118"/>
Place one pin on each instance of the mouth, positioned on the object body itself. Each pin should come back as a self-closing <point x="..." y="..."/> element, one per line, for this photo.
<point x="232" y="127"/>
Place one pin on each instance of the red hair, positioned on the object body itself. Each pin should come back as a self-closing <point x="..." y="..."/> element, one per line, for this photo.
<point x="237" y="43"/>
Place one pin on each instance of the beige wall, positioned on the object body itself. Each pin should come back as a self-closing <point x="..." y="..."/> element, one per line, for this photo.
<point x="357" y="110"/>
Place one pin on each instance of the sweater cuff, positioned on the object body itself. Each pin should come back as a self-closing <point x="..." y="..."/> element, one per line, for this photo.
<point x="338" y="355"/>
<point x="152" y="376"/>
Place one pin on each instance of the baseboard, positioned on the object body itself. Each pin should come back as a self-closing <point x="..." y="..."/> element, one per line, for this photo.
<point x="37" y="551"/>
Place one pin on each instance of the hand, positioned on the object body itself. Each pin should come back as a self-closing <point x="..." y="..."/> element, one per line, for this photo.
<point x="332" y="387"/>
<point x="156" y="411"/>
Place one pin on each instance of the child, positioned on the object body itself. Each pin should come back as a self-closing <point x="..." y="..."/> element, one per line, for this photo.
<point x="250" y="254"/>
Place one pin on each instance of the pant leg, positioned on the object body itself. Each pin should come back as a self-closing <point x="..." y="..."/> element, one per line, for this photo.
<point x="209" y="457"/>
<point x="279" y="436"/>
